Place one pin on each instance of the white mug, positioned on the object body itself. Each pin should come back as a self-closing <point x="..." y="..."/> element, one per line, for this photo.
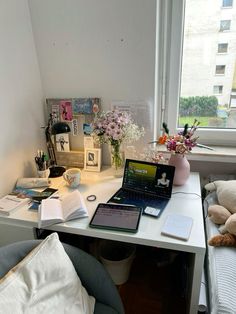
<point x="72" y="177"/>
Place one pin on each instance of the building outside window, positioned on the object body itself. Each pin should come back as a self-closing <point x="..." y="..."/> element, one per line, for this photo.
<point x="222" y="48"/>
<point x="220" y="70"/>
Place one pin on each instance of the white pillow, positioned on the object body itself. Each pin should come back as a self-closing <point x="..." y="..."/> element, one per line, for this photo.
<point x="45" y="281"/>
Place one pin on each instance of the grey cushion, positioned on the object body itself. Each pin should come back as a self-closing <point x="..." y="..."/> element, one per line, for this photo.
<point x="93" y="275"/>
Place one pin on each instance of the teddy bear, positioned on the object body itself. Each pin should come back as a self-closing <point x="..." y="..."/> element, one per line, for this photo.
<point x="223" y="214"/>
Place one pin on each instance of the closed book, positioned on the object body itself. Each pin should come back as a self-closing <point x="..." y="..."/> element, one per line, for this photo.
<point x="10" y="202"/>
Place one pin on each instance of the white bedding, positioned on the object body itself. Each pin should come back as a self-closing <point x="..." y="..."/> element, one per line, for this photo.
<point x="221" y="262"/>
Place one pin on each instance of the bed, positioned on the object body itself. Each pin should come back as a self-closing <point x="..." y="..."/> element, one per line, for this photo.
<point x="220" y="269"/>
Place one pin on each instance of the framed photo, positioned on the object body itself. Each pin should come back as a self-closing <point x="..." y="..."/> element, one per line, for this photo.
<point x="92" y="159"/>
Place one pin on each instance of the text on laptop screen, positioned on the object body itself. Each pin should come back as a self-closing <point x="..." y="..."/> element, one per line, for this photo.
<point x="148" y="177"/>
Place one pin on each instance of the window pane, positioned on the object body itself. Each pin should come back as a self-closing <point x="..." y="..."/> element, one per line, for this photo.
<point x="217" y="89"/>
<point x="207" y="93"/>
<point x="227" y="3"/>
<point x="225" y="25"/>
<point x="222" y="48"/>
<point x="220" y="69"/>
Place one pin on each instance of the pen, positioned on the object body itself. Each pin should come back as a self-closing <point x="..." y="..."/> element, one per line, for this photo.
<point x="40" y="160"/>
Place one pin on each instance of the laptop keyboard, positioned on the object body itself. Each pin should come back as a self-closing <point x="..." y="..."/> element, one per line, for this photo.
<point x="141" y="199"/>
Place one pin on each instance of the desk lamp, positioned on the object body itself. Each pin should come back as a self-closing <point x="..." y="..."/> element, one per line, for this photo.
<point x="53" y="129"/>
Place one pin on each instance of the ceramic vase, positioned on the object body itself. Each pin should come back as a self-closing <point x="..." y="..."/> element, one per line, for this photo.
<point x="182" y="168"/>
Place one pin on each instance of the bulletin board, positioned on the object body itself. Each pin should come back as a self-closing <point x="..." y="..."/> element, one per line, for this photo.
<point x="78" y="113"/>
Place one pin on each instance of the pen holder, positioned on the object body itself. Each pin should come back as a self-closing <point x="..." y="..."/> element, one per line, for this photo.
<point x="43" y="173"/>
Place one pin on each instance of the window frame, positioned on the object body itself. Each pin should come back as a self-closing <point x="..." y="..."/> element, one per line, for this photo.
<point x="220" y="89"/>
<point x="223" y="66"/>
<point x="222" y="30"/>
<point x="221" y="53"/>
<point x="172" y="80"/>
<point x="227" y="6"/>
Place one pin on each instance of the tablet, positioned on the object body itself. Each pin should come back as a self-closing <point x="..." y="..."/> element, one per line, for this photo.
<point x="116" y="217"/>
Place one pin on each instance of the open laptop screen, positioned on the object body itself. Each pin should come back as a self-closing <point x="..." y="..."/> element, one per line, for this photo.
<point x="142" y="176"/>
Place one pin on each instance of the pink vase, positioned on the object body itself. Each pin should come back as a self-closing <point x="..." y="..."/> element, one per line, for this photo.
<point x="182" y="168"/>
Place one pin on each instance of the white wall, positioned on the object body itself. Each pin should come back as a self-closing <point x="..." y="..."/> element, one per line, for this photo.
<point x="93" y="48"/>
<point x="21" y="100"/>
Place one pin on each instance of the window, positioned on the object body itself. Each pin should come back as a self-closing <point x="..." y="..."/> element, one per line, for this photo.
<point x="227" y="3"/>
<point x="220" y="70"/>
<point x="225" y="25"/>
<point x="193" y="91"/>
<point x="222" y="48"/>
<point x="217" y="89"/>
<point x="233" y="99"/>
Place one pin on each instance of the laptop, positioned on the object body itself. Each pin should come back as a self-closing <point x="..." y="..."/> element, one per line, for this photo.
<point x="147" y="185"/>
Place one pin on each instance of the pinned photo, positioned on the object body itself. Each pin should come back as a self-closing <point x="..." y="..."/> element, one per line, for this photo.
<point x="74" y="125"/>
<point x="55" y="113"/>
<point x="66" y="110"/>
<point x="87" y="129"/>
<point x="82" y="106"/>
<point x="62" y="142"/>
<point x="85" y="106"/>
<point x="96" y="105"/>
<point x="88" y="142"/>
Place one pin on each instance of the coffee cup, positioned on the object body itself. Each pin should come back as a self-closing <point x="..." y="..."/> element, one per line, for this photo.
<point x="72" y="177"/>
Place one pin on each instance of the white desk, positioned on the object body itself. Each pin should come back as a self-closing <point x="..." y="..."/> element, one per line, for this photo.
<point x="103" y="185"/>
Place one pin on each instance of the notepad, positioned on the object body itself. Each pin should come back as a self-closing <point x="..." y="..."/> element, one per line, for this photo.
<point x="177" y="226"/>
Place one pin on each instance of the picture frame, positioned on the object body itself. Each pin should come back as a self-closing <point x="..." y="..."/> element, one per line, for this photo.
<point x="92" y="159"/>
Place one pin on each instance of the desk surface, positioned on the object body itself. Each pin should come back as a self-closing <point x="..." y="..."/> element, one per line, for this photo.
<point x="104" y="185"/>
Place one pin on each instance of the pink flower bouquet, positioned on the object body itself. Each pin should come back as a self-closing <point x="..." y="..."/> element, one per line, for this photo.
<point x="181" y="143"/>
<point x="115" y="127"/>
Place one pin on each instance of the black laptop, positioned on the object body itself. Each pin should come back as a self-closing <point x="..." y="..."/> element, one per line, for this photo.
<point x="147" y="185"/>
